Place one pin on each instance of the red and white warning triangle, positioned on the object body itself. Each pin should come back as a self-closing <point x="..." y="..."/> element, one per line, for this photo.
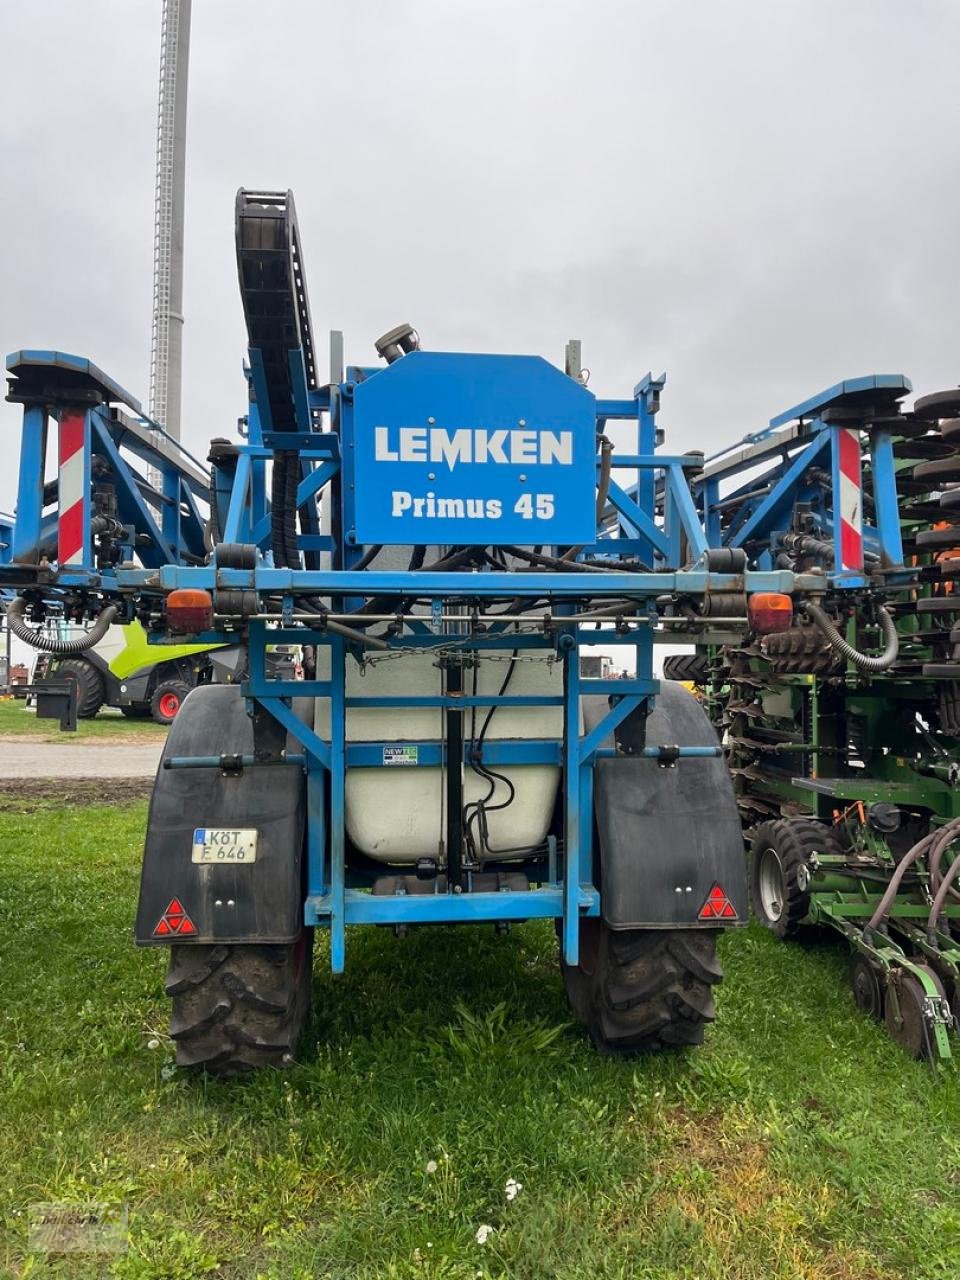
<point x="717" y="905"/>
<point x="174" y="921"/>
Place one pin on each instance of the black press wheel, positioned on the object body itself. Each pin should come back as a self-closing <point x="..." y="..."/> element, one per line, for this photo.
<point x="239" y="1008"/>
<point x="908" y="1029"/>
<point x="87" y="680"/>
<point x="639" y="990"/>
<point x="167" y="700"/>
<point x="865" y="985"/>
<point x="779" y="871"/>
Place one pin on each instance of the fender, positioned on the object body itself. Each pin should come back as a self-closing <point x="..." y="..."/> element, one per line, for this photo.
<point x="667" y="835"/>
<point x="258" y="902"/>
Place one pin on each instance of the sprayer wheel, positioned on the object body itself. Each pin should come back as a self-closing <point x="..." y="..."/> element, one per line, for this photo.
<point x="640" y="990"/>
<point x="865" y="984"/>
<point x="239" y="1008"/>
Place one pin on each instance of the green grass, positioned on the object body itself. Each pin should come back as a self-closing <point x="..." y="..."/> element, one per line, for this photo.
<point x="19" y="720"/>
<point x="799" y="1143"/>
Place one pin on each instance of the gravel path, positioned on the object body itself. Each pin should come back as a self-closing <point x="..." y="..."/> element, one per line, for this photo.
<point x="24" y="759"/>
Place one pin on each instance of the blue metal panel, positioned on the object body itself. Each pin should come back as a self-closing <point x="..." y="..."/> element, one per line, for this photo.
<point x="885" y="498"/>
<point x="452" y="586"/>
<point x="447" y="908"/>
<point x="338" y="777"/>
<point x="80" y="372"/>
<point x="33" y="449"/>
<point x="574" y="830"/>
<point x="895" y="385"/>
<point x="449" y="448"/>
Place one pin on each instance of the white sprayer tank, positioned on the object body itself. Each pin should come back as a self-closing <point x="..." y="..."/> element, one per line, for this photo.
<point x="395" y="812"/>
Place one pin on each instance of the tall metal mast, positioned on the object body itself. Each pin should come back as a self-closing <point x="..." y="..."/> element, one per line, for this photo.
<point x="167" y="340"/>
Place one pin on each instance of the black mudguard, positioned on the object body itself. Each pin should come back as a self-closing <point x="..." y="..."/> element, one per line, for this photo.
<point x="668" y="836"/>
<point x="258" y="902"/>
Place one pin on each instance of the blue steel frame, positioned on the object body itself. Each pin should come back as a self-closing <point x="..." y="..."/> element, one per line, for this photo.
<point x="335" y="893"/>
<point x="175" y="535"/>
<point x="765" y="502"/>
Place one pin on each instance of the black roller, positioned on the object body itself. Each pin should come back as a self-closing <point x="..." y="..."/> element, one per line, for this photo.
<point x="939" y="604"/>
<point x="939" y="539"/>
<point x="923" y="448"/>
<point x="941" y="470"/>
<point x="941" y="404"/>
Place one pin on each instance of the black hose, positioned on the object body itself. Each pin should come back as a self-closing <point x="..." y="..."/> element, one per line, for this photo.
<point x="368" y="557"/>
<point x="51" y="644"/>
<point x="554" y="562"/>
<point x="865" y="661"/>
<point x="603" y="489"/>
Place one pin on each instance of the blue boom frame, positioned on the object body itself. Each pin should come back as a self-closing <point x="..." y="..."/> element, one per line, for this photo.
<point x="784" y="460"/>
<point x="655" y="522"/>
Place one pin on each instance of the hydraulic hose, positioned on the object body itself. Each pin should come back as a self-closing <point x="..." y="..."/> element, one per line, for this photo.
<point x="903" y="866"/>
<point x="603" y="490"/>
<point x="942" y="892"/>
<point x="865" y="661"/>
<point x="50" y="644"/>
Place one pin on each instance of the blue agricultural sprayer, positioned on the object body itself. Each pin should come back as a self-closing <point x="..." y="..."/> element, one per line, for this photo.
<point x="440" y="534"/>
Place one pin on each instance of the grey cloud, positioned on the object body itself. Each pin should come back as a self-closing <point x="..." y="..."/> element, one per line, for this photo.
<point x="757" y="197"/>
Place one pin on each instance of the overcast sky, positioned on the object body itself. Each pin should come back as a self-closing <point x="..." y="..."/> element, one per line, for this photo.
<point x="759" y="197"/>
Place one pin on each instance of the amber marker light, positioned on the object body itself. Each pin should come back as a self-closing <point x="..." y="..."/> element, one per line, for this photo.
<point x="770" y="611"/>
<point x="189" y="610"/>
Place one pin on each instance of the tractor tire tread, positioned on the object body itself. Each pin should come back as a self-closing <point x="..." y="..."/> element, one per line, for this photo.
<point x="238" y="1008"/>
<point x="794" y="839"/>
<point x="650" y="989"/>
<point x="91" y="694"/>
<point x="693" y="668"/>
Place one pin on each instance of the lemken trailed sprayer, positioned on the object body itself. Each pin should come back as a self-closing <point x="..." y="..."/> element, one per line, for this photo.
<point x="441" y="533"/>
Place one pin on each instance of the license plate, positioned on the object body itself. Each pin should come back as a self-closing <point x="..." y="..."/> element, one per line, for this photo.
<point x="230" y="845"/>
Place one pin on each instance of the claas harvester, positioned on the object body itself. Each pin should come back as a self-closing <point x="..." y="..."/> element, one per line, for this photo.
<point x="440" y="534"/>
<point x="843" y="730"/>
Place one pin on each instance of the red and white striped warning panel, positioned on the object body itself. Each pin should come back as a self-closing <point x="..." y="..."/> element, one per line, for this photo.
<point x="72" y="496"/>
<point x="850" y="500"/>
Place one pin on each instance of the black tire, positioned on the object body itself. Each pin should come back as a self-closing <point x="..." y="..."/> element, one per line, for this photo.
<point x="239" y="1008"/>
<point x="779" y="875"/>
<point x="641" y="990"/>
<point x="167" y="699"/>
<point x="692" y="667"/>
<point x="801" y="651"/>
<point x="136" y="711"/>
<point x="88" y="681"/>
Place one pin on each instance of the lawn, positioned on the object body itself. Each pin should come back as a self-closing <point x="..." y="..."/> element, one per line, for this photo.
<point x="799" y="1143"/>
<point x="20" y="721"/>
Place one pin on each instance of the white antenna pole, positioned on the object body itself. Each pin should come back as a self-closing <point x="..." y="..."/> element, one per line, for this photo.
<point x="167" y="340"/>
